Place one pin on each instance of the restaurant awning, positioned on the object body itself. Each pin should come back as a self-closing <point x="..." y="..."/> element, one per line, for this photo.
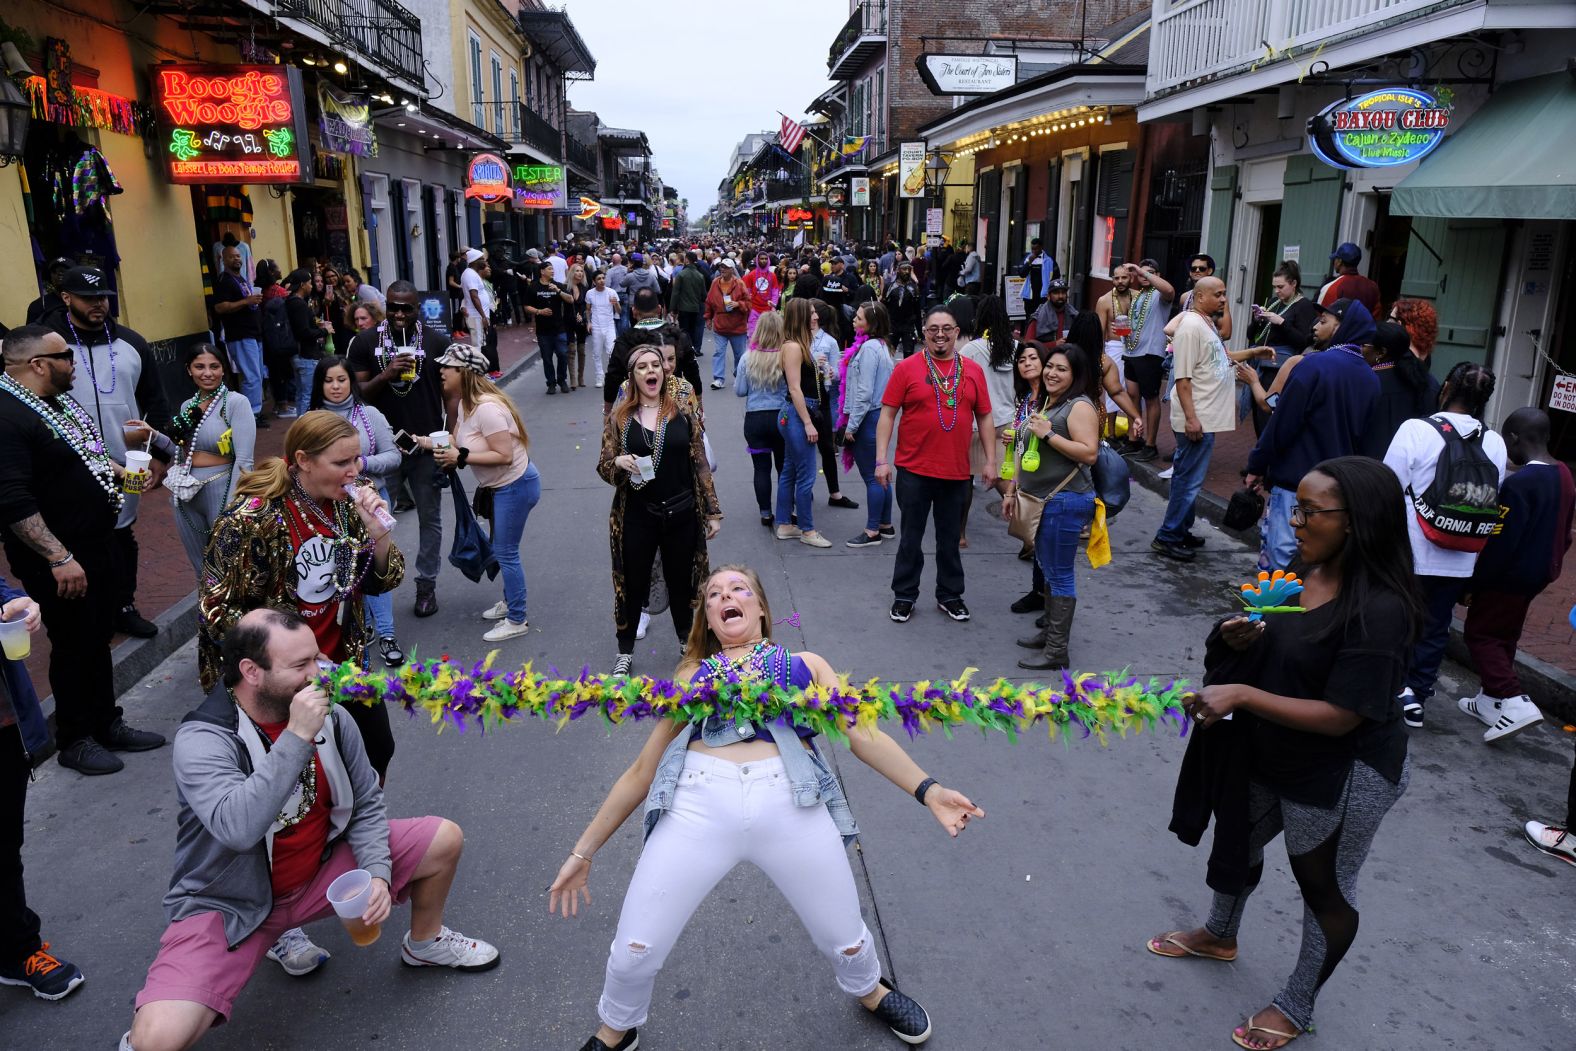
<point x="1511" y="160"/>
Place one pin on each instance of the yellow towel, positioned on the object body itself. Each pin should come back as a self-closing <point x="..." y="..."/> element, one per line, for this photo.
<point x="1099" y="549"/>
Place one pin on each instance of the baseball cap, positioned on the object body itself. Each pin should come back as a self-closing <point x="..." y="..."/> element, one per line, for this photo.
<point x="1391" y="339"/>
<point x="296" y="278"/>
<point x="473" y="254"/>
<point x="636" y="257"/>
<point x="464" y="356"/>
<point x="728" y="262"/>
<point x="1348" y="253"/>
<point x="1057" y="285"/>
<point x="533" y="254"/>
<point x="1337" y="308"/>
<point x="86" y="281"/>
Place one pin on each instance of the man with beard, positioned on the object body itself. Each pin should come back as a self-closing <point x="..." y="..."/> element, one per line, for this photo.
<point x="383" y="360"/>
<point x="1050" y="323"/>
<point x="59" y="497"/>
<point x="1142" y="298"/>
<point x="124" y="396"/>
<point x="902" y="302"/>
<point x="837" y="291"/>
<point x="277" y="800"/>
<point x="238" y="305"/>
<point x="38" y="310"/>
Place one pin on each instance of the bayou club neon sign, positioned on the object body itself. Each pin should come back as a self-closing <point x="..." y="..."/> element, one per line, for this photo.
<point x="231" y="124"/>
<point x="487" y="178"/>
<point x="537" y="185"/>
<point x="1381" y="129"/>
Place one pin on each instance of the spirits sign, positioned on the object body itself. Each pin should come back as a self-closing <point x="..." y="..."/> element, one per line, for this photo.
<point x="231" y="124"/>
<point x="487" y="178"/>
<point x="1381" y="129"/>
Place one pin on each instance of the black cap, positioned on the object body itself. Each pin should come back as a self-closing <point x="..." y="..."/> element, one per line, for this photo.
<point x="1337" y="308"/>
<point x="296" y="278"/>
<point x="1057" y="285"/>
<point x="86" y="281"/>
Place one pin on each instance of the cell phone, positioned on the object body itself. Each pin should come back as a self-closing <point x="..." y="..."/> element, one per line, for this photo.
<point x="404" y="442"/>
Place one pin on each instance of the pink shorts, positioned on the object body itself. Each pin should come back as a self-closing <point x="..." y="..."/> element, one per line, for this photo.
<point x="196" y="963"/>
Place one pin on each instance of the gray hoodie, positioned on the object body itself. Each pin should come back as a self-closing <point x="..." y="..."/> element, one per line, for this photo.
<point x="383" y="457"/>
<point x="224" y="838"/>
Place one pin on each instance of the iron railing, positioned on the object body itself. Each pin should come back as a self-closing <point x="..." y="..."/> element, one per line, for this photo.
<point x="380" y="30"/>
<point x="868" y="19"/>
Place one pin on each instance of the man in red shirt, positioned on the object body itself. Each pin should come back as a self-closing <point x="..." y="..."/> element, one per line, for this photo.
<point x="764" y="290"/>
<point x="1348" y="283"/>
<point x="939" y="392"/>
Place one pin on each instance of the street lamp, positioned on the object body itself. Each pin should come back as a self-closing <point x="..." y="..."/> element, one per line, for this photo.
<point x="15" y="112"/>
<point x="937" y="165"/>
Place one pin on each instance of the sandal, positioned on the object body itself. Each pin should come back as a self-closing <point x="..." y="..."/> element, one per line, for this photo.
<point x="1173" y="938"/>
<point x="1249" y="1029"/>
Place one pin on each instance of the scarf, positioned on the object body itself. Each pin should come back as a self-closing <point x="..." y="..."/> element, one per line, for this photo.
<point x="842" y="394"/>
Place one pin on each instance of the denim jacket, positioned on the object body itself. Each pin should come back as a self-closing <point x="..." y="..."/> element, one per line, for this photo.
<point x="809" y="778"/>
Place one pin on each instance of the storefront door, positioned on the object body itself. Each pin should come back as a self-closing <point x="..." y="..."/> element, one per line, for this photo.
<point x="1310" y="216"/>
<point x="1456" y="264"/>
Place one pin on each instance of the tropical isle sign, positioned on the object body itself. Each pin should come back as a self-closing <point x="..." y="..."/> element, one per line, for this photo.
<point x="1380" y="129"/>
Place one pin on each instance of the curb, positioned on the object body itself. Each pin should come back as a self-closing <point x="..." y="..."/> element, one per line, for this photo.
<point x="1552" y="689"/>
<point x="135" y="658"/>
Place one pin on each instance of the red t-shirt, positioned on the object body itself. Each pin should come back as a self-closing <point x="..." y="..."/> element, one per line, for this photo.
<point x="312" y="550"/>
<point x="1353" y="286"/>
<point x="298" y="850"/>
<point x="763" y="290"/>
<point x="925" y="444"/>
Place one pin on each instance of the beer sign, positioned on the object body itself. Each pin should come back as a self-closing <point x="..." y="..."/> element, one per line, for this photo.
<point x="231" y="124"/>
<point x="1381" y="129"/>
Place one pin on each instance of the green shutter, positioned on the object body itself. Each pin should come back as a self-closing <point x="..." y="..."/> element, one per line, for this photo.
<point x="1222" y="206"/>
<point x="1456" y="264"/>
<point x="1310" y="215"/>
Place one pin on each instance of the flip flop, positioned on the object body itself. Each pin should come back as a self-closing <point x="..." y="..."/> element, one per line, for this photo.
<point x="1171" y="938"/>
<point x="1251" y="1028"/>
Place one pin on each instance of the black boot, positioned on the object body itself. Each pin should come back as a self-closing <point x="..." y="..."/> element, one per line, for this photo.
<point x="1037" y="640"/>
<point x="1031" y="602"/>
<point x="1058" y="629"/>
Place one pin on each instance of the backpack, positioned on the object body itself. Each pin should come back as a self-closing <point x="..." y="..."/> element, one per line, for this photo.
<point x="1460" y="508"/>
<point x="278" y="337"/>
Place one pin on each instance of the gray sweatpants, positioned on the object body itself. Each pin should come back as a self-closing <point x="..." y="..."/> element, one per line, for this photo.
<point x="1327" y="849"/>
<point x="194" y="519"/>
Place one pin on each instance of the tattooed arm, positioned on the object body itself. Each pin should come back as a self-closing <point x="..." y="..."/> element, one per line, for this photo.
<point x="71" y="581"/>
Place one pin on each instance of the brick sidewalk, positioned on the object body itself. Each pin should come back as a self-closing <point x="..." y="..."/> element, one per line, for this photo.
<point x="164" y="576"/>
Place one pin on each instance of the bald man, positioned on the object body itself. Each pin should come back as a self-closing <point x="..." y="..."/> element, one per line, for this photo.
<point x="1202" y="406"/>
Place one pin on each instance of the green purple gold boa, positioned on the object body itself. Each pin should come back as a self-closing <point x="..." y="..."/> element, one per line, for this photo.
<point x="452" y="695"/>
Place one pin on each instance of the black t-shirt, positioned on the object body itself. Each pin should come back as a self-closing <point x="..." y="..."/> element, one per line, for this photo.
<point x="245" y="323"/>
<point x="675" y="471"/>
<point x="539" y="295"/>
<point x="807" y="286"/>
<point x="415" y="408"/>
<point x="41" y="474"/>
<point x="837" y="290"/>
<point x="1360" y="668"/>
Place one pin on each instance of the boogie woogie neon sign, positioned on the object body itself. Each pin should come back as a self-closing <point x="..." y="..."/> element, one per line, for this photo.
<point x="230" y="123"/>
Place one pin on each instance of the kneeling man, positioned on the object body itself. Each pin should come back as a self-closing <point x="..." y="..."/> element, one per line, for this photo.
<point x="277" y="799"/>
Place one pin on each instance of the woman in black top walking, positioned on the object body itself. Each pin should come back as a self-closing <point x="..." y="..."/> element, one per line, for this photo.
<point x="1315" y="733"/>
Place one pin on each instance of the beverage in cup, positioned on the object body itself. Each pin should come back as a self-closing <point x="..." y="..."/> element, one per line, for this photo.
<point x="440" y="439"/>
<point x="1121" y="326"/>
<point x="14" y="638"/>
<point x="349" y="895"/>
<point x="646" y="467"/>
<point x="408" y="373"/>
<point x="138" y="470"/>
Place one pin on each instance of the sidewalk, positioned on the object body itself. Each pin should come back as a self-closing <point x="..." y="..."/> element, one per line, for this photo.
<point x="1546" y="660"/>
<point x="165" y="581"/>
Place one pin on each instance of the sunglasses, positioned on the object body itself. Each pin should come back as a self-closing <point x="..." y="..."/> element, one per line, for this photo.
<point x="1198" y="269"/>
<point x="402" y="308"/>
<point x="59" y="355"/>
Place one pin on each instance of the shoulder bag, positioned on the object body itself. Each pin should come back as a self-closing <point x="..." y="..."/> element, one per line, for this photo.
<point x="1025" y="525"/>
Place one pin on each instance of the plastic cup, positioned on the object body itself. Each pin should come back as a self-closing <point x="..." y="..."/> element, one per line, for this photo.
<point x="348" y="895"/>
<point x="14" y="639"/>
<point x="440" y="439"/>
<point x="647" y="469"/>
<point x="138" y="470"/>
<point x="1121" y="326"/>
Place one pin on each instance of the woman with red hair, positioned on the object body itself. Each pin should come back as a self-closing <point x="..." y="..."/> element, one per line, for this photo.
<point x="1421" y="322"/>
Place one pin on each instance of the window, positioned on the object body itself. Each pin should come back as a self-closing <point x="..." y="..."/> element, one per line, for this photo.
<point x="878" y="109"/>
<point x="1113" y="191"/>
<point x="514" y="99"/>
<point x="497" y="86"/>
<point x="478" y="113"/>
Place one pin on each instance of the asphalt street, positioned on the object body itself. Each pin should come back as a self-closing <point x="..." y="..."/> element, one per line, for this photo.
<point x="1027" y="932"/>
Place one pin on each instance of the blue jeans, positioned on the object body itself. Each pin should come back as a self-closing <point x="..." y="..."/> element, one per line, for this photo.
<point x="1278" y="540"/>
<point x="305" y="370"/>
<point x="878" y="497"/>
<point x="1056" y="544"/>
<point x="1440" y="595"/>
<point x="379" y="607"/>
<point x="796" y="481"/>
<point x="511" y="507"/>
<point x="247" y="354"/>
<point x="1189" y="466"/>
<point x="555" y="358"/>
<point x="719" y="360"/>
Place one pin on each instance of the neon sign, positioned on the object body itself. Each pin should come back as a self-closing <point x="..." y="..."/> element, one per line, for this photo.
<point x="798" y="215"/>
<point x="487" y="178"/>
<point x="588" y="208"/>
<point x="1381" y="129"/>
<point x="538" y="185"/>
<point x="230" y="124"/>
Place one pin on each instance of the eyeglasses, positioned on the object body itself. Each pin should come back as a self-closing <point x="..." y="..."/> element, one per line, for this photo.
<point x="59" y="355"/>
<point x="1300" y="514"/>
<point x="938" y="330"/>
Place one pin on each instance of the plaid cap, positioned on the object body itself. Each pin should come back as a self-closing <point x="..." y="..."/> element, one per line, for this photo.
<point x="464" y="356"/>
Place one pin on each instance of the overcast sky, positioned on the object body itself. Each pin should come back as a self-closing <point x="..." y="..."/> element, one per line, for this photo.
<point x="698" y="75"/>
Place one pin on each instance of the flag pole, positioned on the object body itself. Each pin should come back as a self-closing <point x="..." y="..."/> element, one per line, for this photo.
<point x="807" y="131"/>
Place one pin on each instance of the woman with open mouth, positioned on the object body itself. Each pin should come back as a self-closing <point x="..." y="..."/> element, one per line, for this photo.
<point x="654" y="455"/>
<point x="720" y="791"/>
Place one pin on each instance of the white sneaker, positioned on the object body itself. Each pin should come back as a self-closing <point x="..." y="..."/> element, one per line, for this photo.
<point x="450" y="949"/>
<point x="645" y="622"/>
<point x="1483" y="708"/>
<point x="295" y="952"/>
<point x="497" y="611"/>
<point x="506" y="629"/>
<point x="1515" y="714"/>
<point x="1554" y="841"/>
<point x="814" y="540"/>
<point x="1167" y="473"/>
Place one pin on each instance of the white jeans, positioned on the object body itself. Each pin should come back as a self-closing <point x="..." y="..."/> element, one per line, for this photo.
<point x="600" y="344"/>
<point x="724" y="813"/>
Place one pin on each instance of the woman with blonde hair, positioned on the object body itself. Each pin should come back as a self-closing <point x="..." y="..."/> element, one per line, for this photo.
<point x="579" y="330"/>
<point x="489" y="437"/>
<point x="799" y="423"/>
<point x="760" y="382"/>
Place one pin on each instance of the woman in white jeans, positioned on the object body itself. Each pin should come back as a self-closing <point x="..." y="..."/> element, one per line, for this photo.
<point x="719" y="792"/>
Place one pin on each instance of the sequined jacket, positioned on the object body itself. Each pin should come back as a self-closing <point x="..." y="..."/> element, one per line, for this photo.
<point x="249" y="563"/>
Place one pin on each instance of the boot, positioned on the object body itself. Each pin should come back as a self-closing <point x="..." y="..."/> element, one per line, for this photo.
<point x="1037" y="640"/>
<point x="1059" y="627"/>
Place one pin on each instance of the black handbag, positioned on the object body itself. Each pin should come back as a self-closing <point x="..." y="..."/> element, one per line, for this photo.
<point x="471" y="552"/>
<point x="1244" y="510"/>
<point x="482" y="502"/>
<point x="1113" y="480"/>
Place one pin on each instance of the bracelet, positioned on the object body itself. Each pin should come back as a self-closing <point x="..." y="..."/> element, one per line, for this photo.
<point x="582" y="857"/>
<point x="70" y="558"/>
<point x="881" y="463"/>
<point x="464" y="455"/>
<point x="924" y="787"/>
<point x="379" y="538"/>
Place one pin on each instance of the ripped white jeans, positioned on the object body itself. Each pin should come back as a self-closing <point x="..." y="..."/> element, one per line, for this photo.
<point x="724" y="813"/>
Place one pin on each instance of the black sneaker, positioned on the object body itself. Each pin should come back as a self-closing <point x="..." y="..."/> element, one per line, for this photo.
<point x="122" y="738"/>
<point x="629" y="1043"/>
<point x="262" y="422"/>
<point x="902" y="1014"/>
<point x="564" y="387"/>
<point x="1147" y="453"/>
<point x="1192" y="541"/>
<point x="1174" y="551"/>
<point x="865" y="540"/>
<point x="1030" y="602"/>
<point x="624" y="663"/>
<point x="552" y="390"/>
<point x="393" y="656"/>
<point x="129" y="622"/>
<point x="768" y="519"/>
<point x="901" y="611"/>
<point x="50" y="977"/>
<point x="1411" y="709"/>
<point x="954" y="608"/>
<point x="842" y="501"/>
<point x="89" y="757"/>
<point x="426" y="599"/>
<point x="888" y="531"/>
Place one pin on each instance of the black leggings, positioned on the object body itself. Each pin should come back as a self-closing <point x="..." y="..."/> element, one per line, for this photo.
<point x="826" y="442"/>
<point x="677" y="539"/>
<point x="376" y="734"/>
<point x="765" y="443"/>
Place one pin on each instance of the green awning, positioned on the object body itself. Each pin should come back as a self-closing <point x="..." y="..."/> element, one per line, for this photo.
<point x="1512" y="159"/>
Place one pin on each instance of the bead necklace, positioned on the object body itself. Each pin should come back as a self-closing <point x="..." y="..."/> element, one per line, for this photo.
<point x="1139" y="313"/>
<point x="181" y="424"/>
<point x="346" y="578"/>
<point x="658" y="439"/>
<point x="387" y="350"/>
<point x="945" y="385"/>
<point x="306" y="781"/>
<point x="359" y="418"/>
<point x="757" y="663"/>
<point x="87" y="356"/>
<point x="74" y="427"/>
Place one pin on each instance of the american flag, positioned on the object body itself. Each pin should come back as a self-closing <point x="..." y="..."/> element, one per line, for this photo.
<point x="792" y="135"/>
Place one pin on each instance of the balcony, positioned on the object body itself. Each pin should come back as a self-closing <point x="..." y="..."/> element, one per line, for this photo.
<point x="514" y="122"/>
<point x="862" y="37"/>
<point x="381" y="31"/>
<point x="579" y="155"/>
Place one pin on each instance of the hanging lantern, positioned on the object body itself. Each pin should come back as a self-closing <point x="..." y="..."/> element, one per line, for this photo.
<point x="16" y="114"/>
